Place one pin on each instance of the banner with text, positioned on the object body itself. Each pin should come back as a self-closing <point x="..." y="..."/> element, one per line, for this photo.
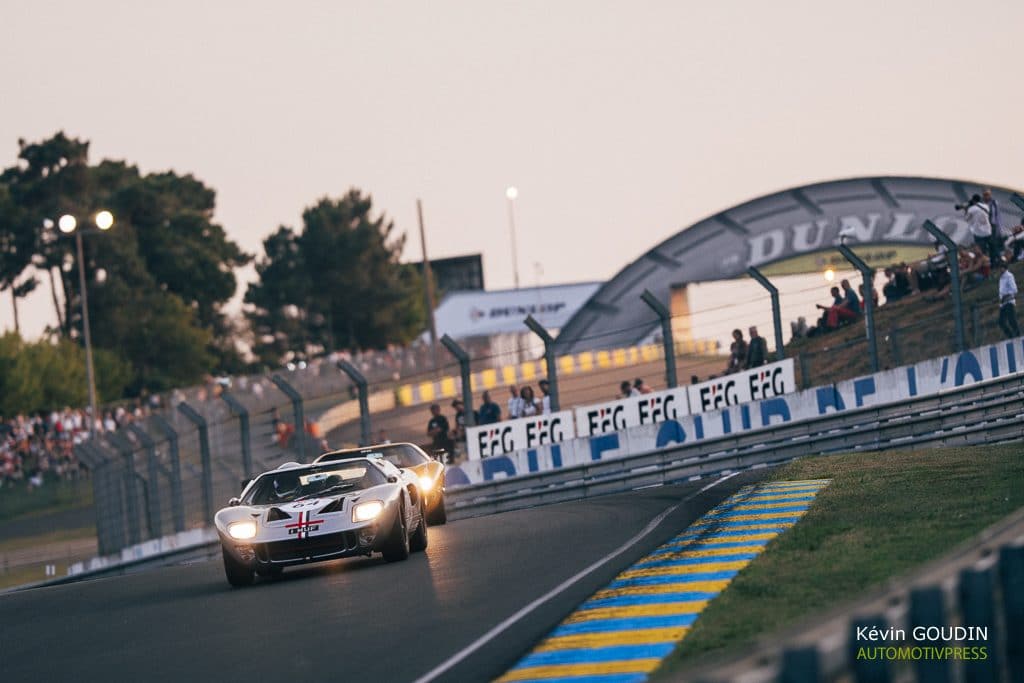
<point x="929" y="377"/>
<point x="513" y="435"/>
<point x="634" y="411"/>
<point x="774" y="379"/>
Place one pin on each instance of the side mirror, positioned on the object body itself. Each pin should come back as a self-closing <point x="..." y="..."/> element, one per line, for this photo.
<point x="235" y="501"/>
<point x="392" y="479"/>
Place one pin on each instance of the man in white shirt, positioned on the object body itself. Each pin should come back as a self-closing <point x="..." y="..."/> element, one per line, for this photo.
<point x="545" y="403"/>
<point x="1007" y="302"/>
<point x="979" y="224"/>
<point x="515" y="403"/>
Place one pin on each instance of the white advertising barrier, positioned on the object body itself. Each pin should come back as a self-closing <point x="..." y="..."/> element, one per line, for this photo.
<point x="774" y="379"/>
<point x="515" y="435"/>
<point x="892" y="386"/>
<point x="634" y="411"/>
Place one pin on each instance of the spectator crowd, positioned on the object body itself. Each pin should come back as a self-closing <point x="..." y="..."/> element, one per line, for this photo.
<point x="40" y="447"/>
<point x="991" y="245"/>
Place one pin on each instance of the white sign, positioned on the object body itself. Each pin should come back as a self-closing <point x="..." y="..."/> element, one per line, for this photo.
<point x="634" y="411"/>
<point x="515" y="435"/>
<point x="774" y="379"/>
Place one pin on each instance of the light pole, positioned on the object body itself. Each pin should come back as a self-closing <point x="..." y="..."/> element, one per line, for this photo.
<point x="67" y="225"/>
<point x="511" y="192"/>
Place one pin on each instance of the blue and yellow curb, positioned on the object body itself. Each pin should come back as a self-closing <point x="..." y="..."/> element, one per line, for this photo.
<point x="623" y="632"/>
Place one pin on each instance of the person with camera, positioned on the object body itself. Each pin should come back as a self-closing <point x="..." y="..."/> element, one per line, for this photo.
<point x="976" y="213"/>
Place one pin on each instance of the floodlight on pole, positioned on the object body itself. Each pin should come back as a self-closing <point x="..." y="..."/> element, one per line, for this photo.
<point x="511" y="192"/>
<point x="67" y="224"/>
<point x="104" y="220"/>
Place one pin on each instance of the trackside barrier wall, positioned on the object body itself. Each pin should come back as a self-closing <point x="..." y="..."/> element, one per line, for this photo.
<point x="980" y="584"/>
<point x="986" y="412"/>
<point x="773" y="379"/>
<point x="928" y="378"/>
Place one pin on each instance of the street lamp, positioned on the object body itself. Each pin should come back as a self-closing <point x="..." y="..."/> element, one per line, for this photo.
<point x="68" y="224"/>
<point x="511" y="192"/>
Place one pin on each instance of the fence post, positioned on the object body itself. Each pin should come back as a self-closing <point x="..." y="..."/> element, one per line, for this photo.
<point x="300" y="420"/>
<point x="868" y="274"/>
<point x="928" y="608"/>
<point x="773" y="292"/>
<point x="110" y="537"/>
<point x="975" y="325"/>
<point x="204" y="454"/>
<point x="1011" y="576"/>
<point x="467" y="386"/>
<point x="125" y="448"/>
<point x="243" y="428"/>
<point x="153" y="476"/>
<point x="805" y="376"/>
<point x="799" y="665"/>
<point x="666" y="336"/>
<point x="954" y="280"/>
<point x="549" y="357"/>
<point x="364" y="402"/>
<point x="177" y="502"/>
<point x="894" y="346"/>
<point x="977" y="608"/>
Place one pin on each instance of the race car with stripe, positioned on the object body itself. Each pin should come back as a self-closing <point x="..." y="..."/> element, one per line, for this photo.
<point x="298" y="514"/>
<point x="429" y="472"/>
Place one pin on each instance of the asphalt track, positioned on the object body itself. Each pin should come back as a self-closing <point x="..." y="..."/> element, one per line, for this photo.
<point x="350" y="620"/>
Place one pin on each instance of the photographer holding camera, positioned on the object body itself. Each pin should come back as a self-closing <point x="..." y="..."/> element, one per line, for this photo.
<point x="978" y="221"/>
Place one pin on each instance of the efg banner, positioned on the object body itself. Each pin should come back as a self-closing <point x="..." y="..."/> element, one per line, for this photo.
<point x="774" y="379"/>
<point x="634" y="411"/>
<point x="514" y="435"/>
<point x="930" y="377"/>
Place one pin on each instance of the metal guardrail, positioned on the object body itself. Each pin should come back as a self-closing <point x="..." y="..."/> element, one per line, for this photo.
<point x="979" y="584"/>
<point x="986" y="412"/>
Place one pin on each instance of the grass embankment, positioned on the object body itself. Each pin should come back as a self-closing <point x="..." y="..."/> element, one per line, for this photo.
<point x="883" y="514"/>
<point x="926" y="331"/>
<point x="18" y="501"/>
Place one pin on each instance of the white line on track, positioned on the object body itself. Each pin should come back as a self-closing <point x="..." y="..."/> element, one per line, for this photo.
<point x="504" y="625"/>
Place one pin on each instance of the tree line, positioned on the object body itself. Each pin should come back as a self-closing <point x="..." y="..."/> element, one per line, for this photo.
<point x="159" y="280"/>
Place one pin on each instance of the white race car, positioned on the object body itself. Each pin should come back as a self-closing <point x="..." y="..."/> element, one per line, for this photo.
<point x="308" y="513"/>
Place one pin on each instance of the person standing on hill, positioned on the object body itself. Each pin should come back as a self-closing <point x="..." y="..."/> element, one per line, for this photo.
<point x="1007" y="302"/>
<point x="757" y="350"/>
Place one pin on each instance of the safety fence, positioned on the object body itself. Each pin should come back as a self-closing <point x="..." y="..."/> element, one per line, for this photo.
<point x="986" y="412"/>
<point x="960" y="618"/>
<point x="531" y="371"/>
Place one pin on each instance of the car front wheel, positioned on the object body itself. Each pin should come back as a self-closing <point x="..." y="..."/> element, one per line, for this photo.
<point x="238" y="573"/>
<point x="419" y="538"/>
<point x="397" y="547"/>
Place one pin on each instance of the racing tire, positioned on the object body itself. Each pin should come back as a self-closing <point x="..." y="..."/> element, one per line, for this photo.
<point x="397" y="547"/>
<point x="237" y="573"/>
<point x="439" y="515"/>
<point x="418" y="542"/>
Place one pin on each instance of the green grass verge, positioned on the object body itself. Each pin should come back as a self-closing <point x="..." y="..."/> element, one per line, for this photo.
<point x="883" y="514"/>
<point x="54" y="496"/>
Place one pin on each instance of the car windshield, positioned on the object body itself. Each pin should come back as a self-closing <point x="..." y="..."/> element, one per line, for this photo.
<point x="399" y="455"/>
<point x="288" y="486"/>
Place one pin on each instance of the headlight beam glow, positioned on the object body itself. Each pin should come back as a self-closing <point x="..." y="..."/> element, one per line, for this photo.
<point x="364" y="512"/>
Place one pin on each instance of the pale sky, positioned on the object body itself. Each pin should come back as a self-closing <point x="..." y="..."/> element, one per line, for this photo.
<point x="620" y="122"/>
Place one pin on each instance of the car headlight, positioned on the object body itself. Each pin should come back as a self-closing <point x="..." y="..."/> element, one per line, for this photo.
<point x="242" y="530"/>
<point x="426" y="483"/>
<point x="364" y="512"/>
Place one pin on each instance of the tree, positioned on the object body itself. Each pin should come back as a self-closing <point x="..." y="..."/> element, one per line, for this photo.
<point x="167" y="268"/>
<point x="336" y="285"/>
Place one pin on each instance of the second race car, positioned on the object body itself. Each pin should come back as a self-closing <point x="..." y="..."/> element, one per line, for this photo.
<point x="429" y="472"/>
